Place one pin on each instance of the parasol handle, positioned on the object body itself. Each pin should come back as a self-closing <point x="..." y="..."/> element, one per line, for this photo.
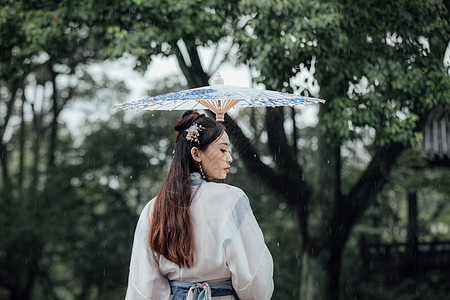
<point x="220" y="117"/>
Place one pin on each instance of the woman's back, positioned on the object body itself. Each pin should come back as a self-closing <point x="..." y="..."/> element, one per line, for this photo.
<point x="228" y="244"/>
<point x="196" y="235"/>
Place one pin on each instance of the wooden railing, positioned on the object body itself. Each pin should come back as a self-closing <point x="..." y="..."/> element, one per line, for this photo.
<point x="419" y="256"/>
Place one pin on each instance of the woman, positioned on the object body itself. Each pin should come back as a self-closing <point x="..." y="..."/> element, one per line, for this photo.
<point x="197" y="238"/>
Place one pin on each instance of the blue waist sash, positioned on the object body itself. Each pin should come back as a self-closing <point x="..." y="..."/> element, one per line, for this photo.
<point x="180" y="289"/>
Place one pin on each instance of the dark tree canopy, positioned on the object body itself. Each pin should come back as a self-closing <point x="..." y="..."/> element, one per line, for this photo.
<point x="379" y="65"/>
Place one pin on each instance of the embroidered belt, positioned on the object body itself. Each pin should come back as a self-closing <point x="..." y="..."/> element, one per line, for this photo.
<point x="201" y="291"/>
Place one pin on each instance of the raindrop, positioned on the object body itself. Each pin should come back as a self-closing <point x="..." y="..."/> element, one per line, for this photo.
<point x="278" y="244"/>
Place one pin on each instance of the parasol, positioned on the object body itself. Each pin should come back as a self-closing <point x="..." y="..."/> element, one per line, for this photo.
<point x="218" y="98"/>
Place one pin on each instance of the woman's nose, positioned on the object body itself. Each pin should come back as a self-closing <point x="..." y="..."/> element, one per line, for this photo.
<point x="230" y="158"/>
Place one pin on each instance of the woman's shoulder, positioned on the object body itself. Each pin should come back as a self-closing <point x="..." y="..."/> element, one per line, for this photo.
<point x="149" y="205"/>
<point x="147" y="210"/>
<point x="223" y="191"/>
<point x="218" y="200"/>
<point x="223" y="187"/>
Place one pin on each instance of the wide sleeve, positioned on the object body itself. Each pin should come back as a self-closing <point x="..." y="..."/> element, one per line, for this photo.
<point x="247" y="256"/>
<point x="145" y="280"/>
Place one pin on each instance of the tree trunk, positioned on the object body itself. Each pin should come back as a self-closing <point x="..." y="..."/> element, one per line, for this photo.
<point x="3" y="126"/>
<point x="22" y="144"/>
<point x="314" y="279"/>
<point x="54" y="123"/>
<point x="37" y="122"/>
<point x="4" y="161"/>
<point x="412" y="239"/>
<point x="323" y="243"/>
<point x="322" y="251"/>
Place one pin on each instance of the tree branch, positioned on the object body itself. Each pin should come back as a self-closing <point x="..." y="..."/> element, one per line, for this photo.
<point x="290" y="187"/>
<point x="194" y="74"/>
<point x="278" y="143"/>
<point x="211" y="63"/>
<point x="287" y="163"/>
<point x="377" y="174"/>
<point x="196" y="64"/>
<point x="369" y="184"/>
<point x="225" y="58"/>
<point x="183" y="66"/>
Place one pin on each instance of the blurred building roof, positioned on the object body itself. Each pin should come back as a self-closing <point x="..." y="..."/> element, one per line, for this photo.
<point x="436" y="136"/>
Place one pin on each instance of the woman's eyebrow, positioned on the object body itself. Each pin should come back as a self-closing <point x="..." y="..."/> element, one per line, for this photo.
<point x="224" y="144"/>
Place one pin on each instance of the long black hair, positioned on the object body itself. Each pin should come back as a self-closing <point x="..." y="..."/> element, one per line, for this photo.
<point x="170" y="231"/>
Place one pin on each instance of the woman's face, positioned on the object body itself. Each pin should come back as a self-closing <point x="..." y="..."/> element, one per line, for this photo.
<point x="216" y="159"/>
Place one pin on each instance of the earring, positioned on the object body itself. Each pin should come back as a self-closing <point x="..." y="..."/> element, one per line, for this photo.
<point x="201" y="171"/>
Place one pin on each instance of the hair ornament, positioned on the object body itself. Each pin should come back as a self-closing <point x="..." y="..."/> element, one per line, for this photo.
<point x="193" y="132"/>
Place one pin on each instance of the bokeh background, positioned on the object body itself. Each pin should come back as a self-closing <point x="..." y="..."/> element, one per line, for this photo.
<point x="352" y="196"/>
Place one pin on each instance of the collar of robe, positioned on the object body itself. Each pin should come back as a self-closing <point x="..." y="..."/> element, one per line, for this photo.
<point x="196" y="179"/>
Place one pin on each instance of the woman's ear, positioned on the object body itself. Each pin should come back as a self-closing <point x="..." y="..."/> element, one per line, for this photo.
<point x="196" y="154"/>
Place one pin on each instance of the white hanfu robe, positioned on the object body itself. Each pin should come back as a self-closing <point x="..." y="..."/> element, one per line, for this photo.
<point x="228" y="243"/>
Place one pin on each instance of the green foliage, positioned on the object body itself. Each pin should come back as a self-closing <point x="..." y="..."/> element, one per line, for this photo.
<point x="380" y="67"/>
<point x="145" y="28"/>
<point x="34" y="32"/>
<point x="369" y="65"/>
<point x="116" y="176"/>
<point x="76" y="233"/>
<point x="67" y="226"/>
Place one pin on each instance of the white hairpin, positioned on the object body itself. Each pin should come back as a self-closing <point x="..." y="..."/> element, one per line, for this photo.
<point x="193" y="132"/>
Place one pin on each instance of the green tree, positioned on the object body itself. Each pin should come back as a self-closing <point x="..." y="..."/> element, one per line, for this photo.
<point x="71" y="237"/>
<point x="115" y="171"/>
<point x="47" y="226"/>
<point x="380" y="68"/>
<point x="145" y="29"/>
<point x="44" y="46"/>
